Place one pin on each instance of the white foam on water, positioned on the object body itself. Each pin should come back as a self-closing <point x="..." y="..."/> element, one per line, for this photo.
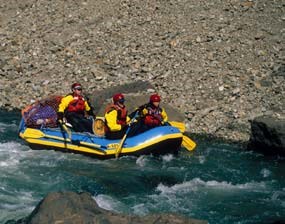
<point x="167" y="158"/>
<point x="15" y="205"/>
<point x="202" y="159"/>
<point x="168" y="202"/>
<point x="10" y="146"/>
<point x="111" y="204"/>
<point x="11" y="153"/>
<point x="265" y="172"/>
<point x="108" y="203"/>
<point x="17" y="200"/>
<point x="278" y="198"/>
<point x="5" y="126"/>
<point x="13" y="158"/>
<point x="227" y="185"/>
<point x="142" y="161"/>
<point x="184" y="187"/>
<point x="48" y="158"/>
<point x="140" y="209"/>
<point x="9" y="162"/>
<point x="185" y="197"/>
<point x="278" y="195"/>
<point x="196" y="184"/>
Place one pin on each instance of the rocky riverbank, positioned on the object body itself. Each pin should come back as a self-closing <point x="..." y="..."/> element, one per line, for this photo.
<point x="219" y="63"/>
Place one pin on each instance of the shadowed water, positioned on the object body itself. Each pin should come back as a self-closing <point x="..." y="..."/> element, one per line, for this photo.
<point x="218" y="182"/>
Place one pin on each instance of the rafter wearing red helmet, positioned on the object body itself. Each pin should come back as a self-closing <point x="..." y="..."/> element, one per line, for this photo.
<point x="152" y="114"/>
<point x="74" y="108"/>
<point x="116" y="117"/>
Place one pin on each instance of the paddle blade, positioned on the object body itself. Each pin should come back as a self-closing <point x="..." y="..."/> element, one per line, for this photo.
<point x="188" y="143"/>
<point x="179" y="125"/>
<point x="119" y="149"/>
<point x="33" y="133"/>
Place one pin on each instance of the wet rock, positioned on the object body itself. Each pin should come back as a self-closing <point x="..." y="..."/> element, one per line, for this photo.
<point x="268" y="135"/>
<point x="74" y="208"/>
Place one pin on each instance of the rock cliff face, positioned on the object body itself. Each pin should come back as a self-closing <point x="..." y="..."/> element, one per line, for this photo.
<point x="219" y="62"/>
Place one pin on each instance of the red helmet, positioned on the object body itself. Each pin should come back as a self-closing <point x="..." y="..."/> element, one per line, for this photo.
<point x="154" y="98"/>
<point x="76" y="85"/>
<point x="118" y="97"/>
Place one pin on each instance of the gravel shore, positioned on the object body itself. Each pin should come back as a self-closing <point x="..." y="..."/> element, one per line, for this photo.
<point x="220" y="63"/>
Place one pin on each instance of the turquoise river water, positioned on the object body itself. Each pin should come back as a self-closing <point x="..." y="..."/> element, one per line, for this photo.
<point x="218" y="182"/>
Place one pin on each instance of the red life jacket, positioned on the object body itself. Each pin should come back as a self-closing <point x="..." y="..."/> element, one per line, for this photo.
<point x="122" y="113"/>
<point x="153" y="117"/>
<point x="77" y="104"/>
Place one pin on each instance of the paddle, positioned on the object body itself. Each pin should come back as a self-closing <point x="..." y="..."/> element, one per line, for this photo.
<point x="186" y="141"/>
<point x="69" y="132"/>
<point x="65" y="128"/>
<point x="179" y="125"/>
<point x="120" y="147"/>
<point x="35" y="133"/>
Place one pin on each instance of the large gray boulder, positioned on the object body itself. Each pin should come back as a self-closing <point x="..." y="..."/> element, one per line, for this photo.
<point x="268" y="135"/>
<point x="136" y="93"/>
<point x="74" y="208"/>
<point x="99" y="98"/>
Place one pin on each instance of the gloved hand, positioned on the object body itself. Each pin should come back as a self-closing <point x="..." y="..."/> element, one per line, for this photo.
<point x="59" y="117"/>
<point x="91" y="113"/>
<point x="158" y="117"/>
<point x="140" y="109"/>
<point x="131" y="116"/>
<point x="91" y="117"/>
<point x="166" y="123"/>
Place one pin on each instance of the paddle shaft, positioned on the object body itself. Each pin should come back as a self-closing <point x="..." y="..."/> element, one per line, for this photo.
<point x="34" y="133"/>
<point x="120" y="147"/>
<point x="65" y="128"/>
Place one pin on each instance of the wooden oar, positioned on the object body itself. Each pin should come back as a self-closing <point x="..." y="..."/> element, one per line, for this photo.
<point x="188" y="143"/>
<point x="35" y="133"/>
<point x="120" y="147"/>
